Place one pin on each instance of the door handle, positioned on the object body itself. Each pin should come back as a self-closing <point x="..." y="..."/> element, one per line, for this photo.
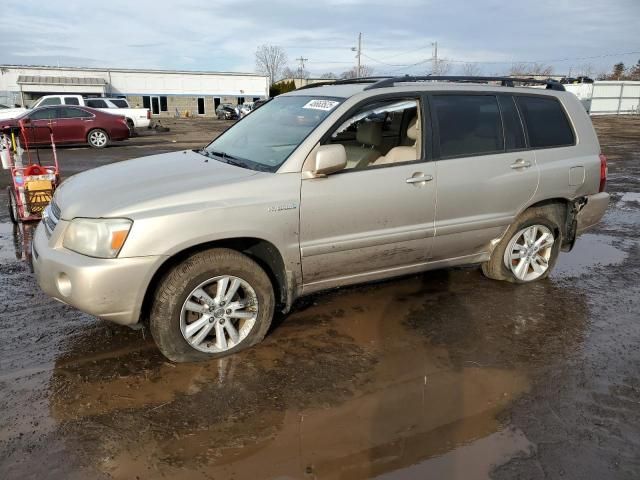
<point x="419" y="178"/>
<point x="520" y="163"/>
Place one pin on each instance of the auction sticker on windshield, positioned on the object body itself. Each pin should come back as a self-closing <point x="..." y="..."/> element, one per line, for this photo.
<point x="325" y="105"/>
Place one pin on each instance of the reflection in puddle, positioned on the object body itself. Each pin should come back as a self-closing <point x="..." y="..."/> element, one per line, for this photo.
<point x="15" y="241"/>
<point x="589" y="252"/>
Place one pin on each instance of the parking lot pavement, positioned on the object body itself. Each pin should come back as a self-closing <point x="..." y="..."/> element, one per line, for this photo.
<point x="441" y="375"/>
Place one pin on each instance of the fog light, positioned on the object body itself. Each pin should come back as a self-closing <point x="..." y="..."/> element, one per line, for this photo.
<point x="63" y="282"/>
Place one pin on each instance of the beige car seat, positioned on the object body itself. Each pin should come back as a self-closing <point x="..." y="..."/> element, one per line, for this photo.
<point x="404" y="153"/>
<point x="369" y="136"/>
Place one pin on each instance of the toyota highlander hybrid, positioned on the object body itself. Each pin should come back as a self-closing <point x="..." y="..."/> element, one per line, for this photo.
<point x="322" y="187"/>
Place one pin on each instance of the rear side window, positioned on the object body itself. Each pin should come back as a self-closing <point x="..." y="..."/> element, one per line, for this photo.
<point x="120" y="103"/>
<point x="97" y="104"/>
<point x="513" y="132"/>
<point x="73" y="113"/>
<point x="71" y="101"/>
<point x="468" y="124"/>
<point x="547" y="124"/>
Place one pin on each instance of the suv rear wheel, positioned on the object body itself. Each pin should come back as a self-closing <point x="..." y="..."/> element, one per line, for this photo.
<point x="212" y="304"/>
<point x="529" y="249"/>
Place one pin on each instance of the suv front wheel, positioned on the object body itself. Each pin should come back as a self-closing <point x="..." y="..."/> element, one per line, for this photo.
<point x="529" y="249"/>
<point x="214" y="303"/>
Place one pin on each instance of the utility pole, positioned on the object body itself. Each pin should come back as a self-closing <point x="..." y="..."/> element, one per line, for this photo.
<point x="435" y="58"/>
<point x="301" y="68"/>
<point x="358" y="49"/>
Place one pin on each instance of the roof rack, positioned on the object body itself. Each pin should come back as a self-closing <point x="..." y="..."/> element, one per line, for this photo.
<point x="346" y="81"/>
<point x="504" y="81"/>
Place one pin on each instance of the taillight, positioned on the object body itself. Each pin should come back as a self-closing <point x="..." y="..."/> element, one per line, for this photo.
<point x="603" y="172"/>
<point x="148" y="114"/>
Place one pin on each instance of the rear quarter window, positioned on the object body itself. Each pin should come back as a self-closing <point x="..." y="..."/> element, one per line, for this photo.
<point x="546" y="122"/>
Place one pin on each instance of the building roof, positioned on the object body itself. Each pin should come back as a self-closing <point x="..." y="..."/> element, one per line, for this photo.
<point x="50" y="80"/>
<point x="126" y="70"/>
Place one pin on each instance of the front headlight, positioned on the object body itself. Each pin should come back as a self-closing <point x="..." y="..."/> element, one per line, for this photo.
<point x="97" y="237"/>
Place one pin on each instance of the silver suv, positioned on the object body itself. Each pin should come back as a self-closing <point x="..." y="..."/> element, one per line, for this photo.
<point x="322" y="187"/>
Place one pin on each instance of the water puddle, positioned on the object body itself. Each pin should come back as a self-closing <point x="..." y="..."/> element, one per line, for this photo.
<point x="7" y="243"/>
<point x="473" y="461"/>
<point x="345" y="387"/>
<point x="630" y="197"/>
<point x="15" y="242"/>
<point x="590" y="252"/>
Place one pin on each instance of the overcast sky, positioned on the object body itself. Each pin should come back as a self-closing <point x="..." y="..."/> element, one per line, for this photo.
<point x="397" y="35"/>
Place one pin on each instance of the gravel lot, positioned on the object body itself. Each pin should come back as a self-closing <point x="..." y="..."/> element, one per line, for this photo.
<point x="441" y="375"/>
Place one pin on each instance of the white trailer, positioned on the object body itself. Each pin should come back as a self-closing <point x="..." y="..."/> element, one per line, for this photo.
<point x="608" y="97"/>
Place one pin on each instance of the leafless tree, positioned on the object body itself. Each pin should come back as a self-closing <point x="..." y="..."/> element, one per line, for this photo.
<point x="585" y="70"/>
<point x="530" y="69"/>
<point x="329" y="76"/>
<point x="471" y="70"/>
<point x="270" y="61"/>
<point x="634" y="72"/>
<point x="365" y="71"/>
<point x="441" y="67"/>
<point x="297" y="73"/>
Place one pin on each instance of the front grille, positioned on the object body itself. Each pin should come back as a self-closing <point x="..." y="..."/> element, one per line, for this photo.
<point x="55" y="210"/>
<point x="51" y="217"/>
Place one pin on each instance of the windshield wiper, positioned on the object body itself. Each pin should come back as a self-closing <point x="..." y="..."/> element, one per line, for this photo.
<point x="226" y="158"/>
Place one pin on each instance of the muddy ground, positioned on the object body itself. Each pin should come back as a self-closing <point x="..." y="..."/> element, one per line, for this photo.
<point x="441" y="375"/>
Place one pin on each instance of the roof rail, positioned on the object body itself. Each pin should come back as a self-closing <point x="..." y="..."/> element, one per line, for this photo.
<point x="345" y="81"/>
<point x="504" y="81"/>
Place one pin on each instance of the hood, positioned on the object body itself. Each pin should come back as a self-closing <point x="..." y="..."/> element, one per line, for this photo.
<point x="134" y="187"/>
<point x="11" y="112"/>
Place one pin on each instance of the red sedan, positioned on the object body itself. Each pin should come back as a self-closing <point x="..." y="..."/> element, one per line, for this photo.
<point x="71" y="124"/>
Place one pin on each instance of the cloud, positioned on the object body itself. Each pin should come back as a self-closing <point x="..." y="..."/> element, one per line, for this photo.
<point x="223" y="35"/>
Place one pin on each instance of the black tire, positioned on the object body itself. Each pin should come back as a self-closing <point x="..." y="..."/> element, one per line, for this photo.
<point x="132" y="127"/>
<point x="94" y="135"/>
<point x="12" y="205"/>
<point x="179" y="282"/>
<point x="550" y="216"/>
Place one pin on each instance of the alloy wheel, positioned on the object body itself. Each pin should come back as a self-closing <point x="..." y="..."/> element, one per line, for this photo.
<point x="528" y="253"/>
<point x="99" y="139"/>
<point x="219" y="314"/>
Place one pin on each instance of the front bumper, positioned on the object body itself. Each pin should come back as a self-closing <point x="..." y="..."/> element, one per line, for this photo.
<point x="592" y="212"/>
<point x="111" y="289"/>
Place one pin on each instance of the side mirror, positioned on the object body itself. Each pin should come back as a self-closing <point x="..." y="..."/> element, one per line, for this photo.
<point x="26" y="120"/>
<point x="329" y="159"/>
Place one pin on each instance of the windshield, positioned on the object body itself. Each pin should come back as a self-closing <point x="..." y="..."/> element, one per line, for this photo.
<point x="266" y="138"/>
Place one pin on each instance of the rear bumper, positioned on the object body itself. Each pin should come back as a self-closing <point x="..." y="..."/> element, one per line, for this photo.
<point x="592" y="212"/>
<point x="119" y="133"/>
<point x="111" y="289"/>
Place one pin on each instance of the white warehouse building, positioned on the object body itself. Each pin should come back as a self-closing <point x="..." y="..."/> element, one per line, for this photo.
<point x="165" y="92"/>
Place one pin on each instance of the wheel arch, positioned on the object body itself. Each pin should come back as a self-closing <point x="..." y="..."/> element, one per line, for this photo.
<point x="263" y="252"/>
<point x="567" y="208"/>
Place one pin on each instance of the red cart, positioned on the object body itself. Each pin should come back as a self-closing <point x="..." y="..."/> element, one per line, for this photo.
<point x="33" y="181"/>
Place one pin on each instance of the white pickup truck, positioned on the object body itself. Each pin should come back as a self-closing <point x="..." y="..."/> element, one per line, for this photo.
<point x="136" y="117"/>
